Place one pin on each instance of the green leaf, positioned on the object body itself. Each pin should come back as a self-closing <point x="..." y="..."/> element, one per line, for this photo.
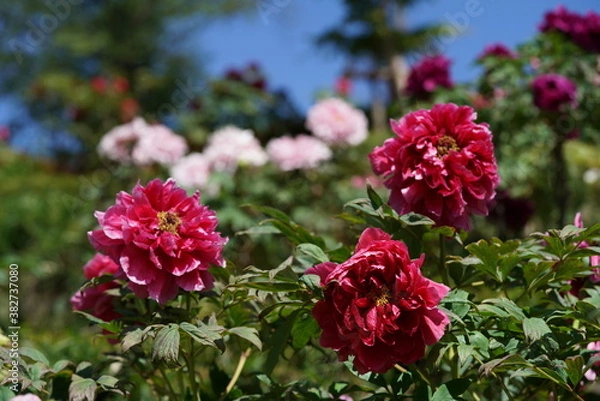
<point x="313" y="251"/>
<point x="464" y="352"/>
<point x="34" y="354"/>
<point x="132" y="338"/>
<point x="278" y="341"/>
<point x="507" y="363"/>
<point x="247" y="333"/>
<point x="535" y="328"/>
<point x="82" y="389"/>
<point x="375" y="199"/>
<point x="209" y="335"/>
<point x="166" y="345"/>
<point x="107" y="381"/>
<point x="282" y="266"/>
<point x="451" y="390"/>
<point x="305" y="327"/>
<point x="575" y="369"/>
<point x="61" y="365"/>
<point x="271" y="287"/>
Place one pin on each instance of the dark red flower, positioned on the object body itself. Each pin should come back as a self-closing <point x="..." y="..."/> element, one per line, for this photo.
<point x="440" y="164"/>
<point x="497" y="50"/>
<point x="583" y="30"/>
<point x="162" y="239"/>
<point x="429" y="74"/>
<point x="377" y="305"/>
<point x="95" y="300"/>
<point x="551" y="92"/>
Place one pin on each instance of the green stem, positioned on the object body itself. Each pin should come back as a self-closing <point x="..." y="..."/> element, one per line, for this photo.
<point x="442" y="265"/>
<point x="560" y="179"/>
<point x="172" y="392"/>
<point x="238" y="371"/>
<point x="190" y="359"/>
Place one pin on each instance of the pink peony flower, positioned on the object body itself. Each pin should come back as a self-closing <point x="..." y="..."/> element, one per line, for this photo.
<point x="578" y="283"/>
<point x="118" y="143"/>
<point x="231" y="146"/>
<point x="94" y="299"/>
<point x="553" y="91"/>
<point x="192" y="171"/>
<point x="378" y="306"/>
<point x="26" y="397"/>
<point x="592" y="374"/>
<point x="497" y="50"/>
<point x="162" y="239"/>
<point x="336" y="122"/>
<point x="440" y="164"/>
<point x="299" y="153"/>
<point x="429" y="74"/>
<point x="158" y="144"/>
<point x="142" y="144"/>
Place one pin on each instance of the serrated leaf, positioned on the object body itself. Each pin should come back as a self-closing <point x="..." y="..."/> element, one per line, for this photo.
<point x="205" y="334"/>
<point x="247" y="333"/>
<point x="166" y="344"/>
<point x="131" y="339"/>
<point x="82" y="389"/>
<point x="535" y="328"/>
<point x="314" y="252"/>
<point x="34" y="354"/>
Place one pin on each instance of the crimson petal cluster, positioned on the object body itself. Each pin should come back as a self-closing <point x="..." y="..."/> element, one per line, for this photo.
<point x="378" y="306"/>
<point x="162" y="240"/>
<point x="440" y="164"/>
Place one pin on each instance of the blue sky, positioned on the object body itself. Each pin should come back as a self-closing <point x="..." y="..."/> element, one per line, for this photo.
<point x="281" y="37"/>
<point x="279" y="34"/>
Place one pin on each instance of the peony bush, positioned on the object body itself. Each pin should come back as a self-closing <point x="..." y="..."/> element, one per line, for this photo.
<point x="444" y="257"/>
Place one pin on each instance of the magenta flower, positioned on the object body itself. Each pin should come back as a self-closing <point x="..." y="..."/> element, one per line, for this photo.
<point x="162" y="239"/>
<point x="583" y="30"/>
<point x="440" y="164"/>
<point x="378" y="306"/>
<point x="299" y="153"/>
<point x="95" y="300"/>
<point x="336" y="122"/>
<point x="429" y="74"/>
<point x="497" y="50"/>
<point x="551" y="92"/>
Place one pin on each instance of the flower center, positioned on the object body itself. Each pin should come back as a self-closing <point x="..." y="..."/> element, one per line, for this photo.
<point x="445" y="144"/>
<point x="381" y="296"/>
<point x="168" y="221"/>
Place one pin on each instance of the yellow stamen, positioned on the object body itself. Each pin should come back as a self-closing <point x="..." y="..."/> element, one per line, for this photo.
<point x="168" y="221"/>
<point x="445" y="144"/>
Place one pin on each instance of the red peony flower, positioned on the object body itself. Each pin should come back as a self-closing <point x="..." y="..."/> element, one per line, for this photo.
<point x="553" y="91"/>
<point x="94" y="299"/>
<point x="378" y="306"/>
<point x="162" y="239"/>
<point x="440" y="164"/>
<point x="429" y="74"/>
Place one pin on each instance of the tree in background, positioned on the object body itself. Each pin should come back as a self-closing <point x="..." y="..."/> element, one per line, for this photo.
<point x="373" y="34"/>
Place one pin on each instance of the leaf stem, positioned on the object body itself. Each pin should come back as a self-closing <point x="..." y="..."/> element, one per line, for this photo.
<point x="442" y="265"/>
<point x="172" y="392"/>
<point x="238" y="371"/>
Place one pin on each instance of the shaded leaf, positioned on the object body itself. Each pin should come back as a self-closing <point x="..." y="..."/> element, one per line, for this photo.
<point x="247" y="333"/>
<point x="166" y="344"/>
<point x="82" y="389"/>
